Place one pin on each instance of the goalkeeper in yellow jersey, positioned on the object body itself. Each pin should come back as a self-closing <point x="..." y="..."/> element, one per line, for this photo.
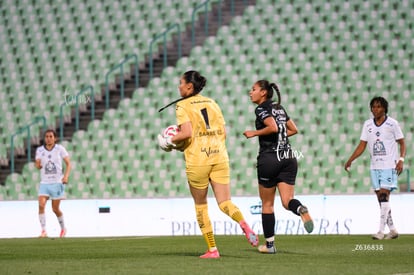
<point x="202" y="125"/>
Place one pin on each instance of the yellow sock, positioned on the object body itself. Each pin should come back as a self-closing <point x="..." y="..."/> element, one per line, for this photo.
<point x="231" y="210"/>
<point x="204" y="223"/>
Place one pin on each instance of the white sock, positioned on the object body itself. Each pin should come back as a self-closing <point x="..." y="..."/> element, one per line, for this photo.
<point x="42" y="219"/>
<point x="390" y="222"/>
<point x="61" y="222"/>
<point x="385" y="208"/>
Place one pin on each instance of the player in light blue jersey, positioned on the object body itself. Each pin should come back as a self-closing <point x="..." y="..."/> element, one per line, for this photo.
<point x="382" y="134"/>
<point x="49" y="160"/>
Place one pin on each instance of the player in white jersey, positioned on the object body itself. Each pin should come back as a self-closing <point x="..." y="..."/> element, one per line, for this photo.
<point x="49" y="160"/>
<point x="382" y="134"/>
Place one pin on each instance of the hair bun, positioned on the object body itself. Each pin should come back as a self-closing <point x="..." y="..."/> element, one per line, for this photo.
<point x="202" y="82"/>
<point x="197" y="79"/>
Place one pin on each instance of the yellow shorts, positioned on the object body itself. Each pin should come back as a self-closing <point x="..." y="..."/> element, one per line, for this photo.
<point x="199" y="176"/>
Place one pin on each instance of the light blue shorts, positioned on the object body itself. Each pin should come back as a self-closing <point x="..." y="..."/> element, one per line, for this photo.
<point x="55" y="191"/>
<point x="384" y="178"/>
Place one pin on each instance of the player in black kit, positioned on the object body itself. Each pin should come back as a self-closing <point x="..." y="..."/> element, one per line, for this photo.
<point x="276" y="163"/>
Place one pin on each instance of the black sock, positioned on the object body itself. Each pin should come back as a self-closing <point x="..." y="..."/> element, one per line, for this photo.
<point x="268" y="223"/>
<point x="294" y="205"/>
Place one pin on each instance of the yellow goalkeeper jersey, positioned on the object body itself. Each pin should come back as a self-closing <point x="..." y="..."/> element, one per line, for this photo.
<point x="208" y="141"/>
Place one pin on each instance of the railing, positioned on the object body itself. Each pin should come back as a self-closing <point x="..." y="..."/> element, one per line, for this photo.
<point x="81" y="95"/>
<point x="120" y="66"/>
<point x="29" y="145"/>
<point x="164" y="35"/>
<point x="232" y="5"/>
<point x="80" y="98"/>
<point x="205" y="6"/>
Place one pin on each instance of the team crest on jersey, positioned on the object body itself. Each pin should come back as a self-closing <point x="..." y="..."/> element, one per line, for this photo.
<point x="50" y="168"/>
<point x="379" y="148"/>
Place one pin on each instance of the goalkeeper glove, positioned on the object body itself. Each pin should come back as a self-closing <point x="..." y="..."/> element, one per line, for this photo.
<point x="165" y="143"/>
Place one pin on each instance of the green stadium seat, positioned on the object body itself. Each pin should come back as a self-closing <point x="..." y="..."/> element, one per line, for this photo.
<point x="327" y="70"/>
<point x="14" y="187"/>
<point x="31" y="180"/>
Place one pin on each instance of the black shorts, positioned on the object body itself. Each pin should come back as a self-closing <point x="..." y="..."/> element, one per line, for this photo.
<point x="272" y="169"/>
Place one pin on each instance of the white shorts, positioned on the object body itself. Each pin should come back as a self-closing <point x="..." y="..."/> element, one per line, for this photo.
<point x="384" y="178"/>
<point x="55" y="191"/>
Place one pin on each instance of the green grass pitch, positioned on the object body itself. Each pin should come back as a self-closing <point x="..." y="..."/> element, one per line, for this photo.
<point x="311" y="254"/>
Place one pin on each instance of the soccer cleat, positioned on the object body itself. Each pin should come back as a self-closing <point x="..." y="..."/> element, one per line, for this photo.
<point x="378" y="236"/>
<point x="62" y="233"/>
<point x="252" y="237"/>
<point x="306" y="218"/>
<point x="393" y="234"/>
<point x="43" y="234"/>
<point x="211" y="255"/>
<point x="267" y="250"/>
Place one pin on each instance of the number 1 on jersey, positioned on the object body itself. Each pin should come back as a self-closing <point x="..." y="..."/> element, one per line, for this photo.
<point x="205" y="116"/>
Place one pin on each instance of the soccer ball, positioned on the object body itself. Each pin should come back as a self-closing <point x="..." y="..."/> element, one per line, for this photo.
<point x="171" y="131"/>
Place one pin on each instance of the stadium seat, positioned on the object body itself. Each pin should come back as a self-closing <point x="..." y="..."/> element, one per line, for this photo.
<point x="14" y="187"/>
<point x="327" y="67"/>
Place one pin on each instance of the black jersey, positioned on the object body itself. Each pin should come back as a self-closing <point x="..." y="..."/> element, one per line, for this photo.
<point x="279" y="140"/>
